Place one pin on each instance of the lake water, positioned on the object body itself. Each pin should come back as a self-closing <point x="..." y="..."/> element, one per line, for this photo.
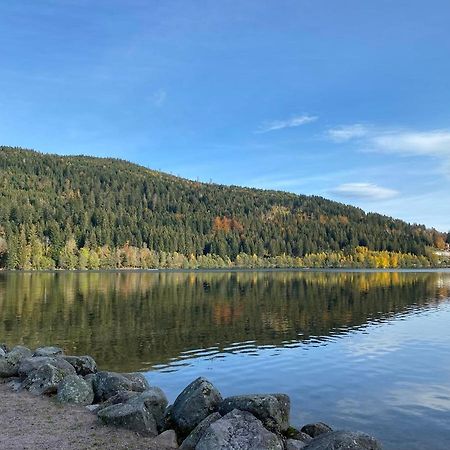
<point x="366" y="351"/>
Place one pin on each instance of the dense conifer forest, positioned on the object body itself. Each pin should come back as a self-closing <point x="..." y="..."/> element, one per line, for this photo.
<point x="82" y="212"/>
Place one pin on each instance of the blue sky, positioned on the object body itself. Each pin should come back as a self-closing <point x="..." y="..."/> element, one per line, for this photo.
<point x="349" y="100"/>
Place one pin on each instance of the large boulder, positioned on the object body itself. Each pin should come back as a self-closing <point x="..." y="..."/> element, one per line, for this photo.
<point x="120" y="397"/>
<point x="344" y="440"/>
<point x="138" y="380"/>
<point x="292" y="444"/>
<point x="155" y="401"/>
<point x="44" y="380"/>
<point x="196" y="434"/>
<point x="166" y="440"/>
<point x="239" y="430"/>
<point x="48" y="351"/>
<point x="195" y="403"/>
<point x="316" y="429"/>
<point x="108" y="384"/>
<point x="9" y="364"/>
<point x="271" y="409"/>
<point x="135" y="417"/>
<point x="75" y="390"/>
<point x="83" y="365"/>
<point x="29" y="365"/>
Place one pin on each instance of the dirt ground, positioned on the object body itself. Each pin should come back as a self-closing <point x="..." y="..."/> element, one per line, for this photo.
<point x="30" y="422"/>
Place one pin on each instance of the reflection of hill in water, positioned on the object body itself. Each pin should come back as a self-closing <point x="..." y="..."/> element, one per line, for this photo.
<point x="128" y="320"/>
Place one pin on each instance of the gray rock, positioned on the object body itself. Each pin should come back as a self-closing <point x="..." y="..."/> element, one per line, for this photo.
<point x="167" y="439"/>
<point x="29" y="365"/>
<point x="195" y="403"/>
<point x="344" y="440"/>
<point x="9" y="364"/>
<point x="4" y="347"/>
<point x="83" y="365"/>
<point x="272" y="409"/>
<point x="120" y="397"/>
<point x="138" y="380"/>
<point x="316" y="429"/>
<point x="155" y="401"/>
<point x="134" y="417"/>
<point x="92" y="408"/>
<point x="15" y="384"/>
<point x="74" y="390"/>
<point x="6" y="370"/>
<point x="168" y="422"/>
<point x="2" y="352"/>
<point x="44" y="380"/>
<point x="292" y="444"/>
<point x="239" y="430"/>
<point x="192" y="440"/>
<point x="108" y="384"/>
<point x="293" y="433"/>
<point x="48" y="351"/>
<point x="89" y="378"/>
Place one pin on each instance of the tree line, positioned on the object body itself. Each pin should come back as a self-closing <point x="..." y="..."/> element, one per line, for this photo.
<point x="84" y="212"/>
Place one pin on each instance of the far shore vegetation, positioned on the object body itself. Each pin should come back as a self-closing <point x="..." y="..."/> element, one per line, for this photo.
<point x="32" y="254"/>
<point x="76" y="212"/>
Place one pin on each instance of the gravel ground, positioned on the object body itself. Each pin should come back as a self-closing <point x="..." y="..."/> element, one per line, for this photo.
<point x="30" y="422"/>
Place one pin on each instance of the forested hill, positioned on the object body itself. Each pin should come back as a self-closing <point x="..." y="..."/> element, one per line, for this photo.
<point x="56" y="206"/>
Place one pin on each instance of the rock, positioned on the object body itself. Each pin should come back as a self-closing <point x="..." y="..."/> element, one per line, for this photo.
<point x="29" y="365"/>
<point x="74" y="390"/>
<point x="344" y="440"/>
<point x="138" y="380"/>
<point x="120" y="397"/>
<point x="316" y="429"/>
<point x="195" y="403"/>
<point x="15" y="384"/>
<point x="167" y="439"/>
<point x="4" y="347"/>
<point x="9" y="363"/>
<point x="192" y="440"/>
<point x="239" y="430"/>
<point x="292" y="444"/>
<point x="155" y="401"/>
<point x="48" y="351"/>
<point x="2" y="352"/>
<point x="93" y="408"/>
<point x="44" y="380"/>
<point x="83" y="365"/>
<point x="293" y="433"/>
<point x="168" y="422"/>
<point x="6" y="370"/>
<point x="108" y="384"/>
<point x="271" y="409"/>
<point x="89" y="378"/>
<point x="134" y="417"/>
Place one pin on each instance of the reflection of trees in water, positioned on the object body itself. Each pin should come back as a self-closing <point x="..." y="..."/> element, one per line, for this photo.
<point x="125" y="319"/>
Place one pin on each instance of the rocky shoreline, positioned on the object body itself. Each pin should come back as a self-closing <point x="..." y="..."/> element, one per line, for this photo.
<point x="199" y="419"/>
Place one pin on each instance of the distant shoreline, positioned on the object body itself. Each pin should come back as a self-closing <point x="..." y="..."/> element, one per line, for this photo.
<point x="235" y="269"/>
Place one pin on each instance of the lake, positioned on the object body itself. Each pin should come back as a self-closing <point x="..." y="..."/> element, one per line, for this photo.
<point x="365" y="351"/>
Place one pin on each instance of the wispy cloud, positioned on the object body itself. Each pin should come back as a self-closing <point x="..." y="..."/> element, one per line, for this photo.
<point x="367" y="191"/>
<point x="403" y="142"/>
<point x="292" y="122"/>
<point x="347" y="132"/>
<point x="428" y="143"/>
<point x="159" y="97"/>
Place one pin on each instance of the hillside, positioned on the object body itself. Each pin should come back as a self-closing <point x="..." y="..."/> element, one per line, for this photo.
<point x="61" y="206"/>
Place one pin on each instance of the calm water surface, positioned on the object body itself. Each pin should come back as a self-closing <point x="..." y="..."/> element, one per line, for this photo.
<point x="367" y="351"/>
